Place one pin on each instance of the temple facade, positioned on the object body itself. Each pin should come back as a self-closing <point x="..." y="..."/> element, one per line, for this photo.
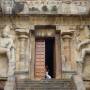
<point x="39" y="36"/>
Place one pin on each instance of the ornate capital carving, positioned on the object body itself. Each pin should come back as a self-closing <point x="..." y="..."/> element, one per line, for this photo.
<point x="22" y="32"/>
<point x="67" y="35"/>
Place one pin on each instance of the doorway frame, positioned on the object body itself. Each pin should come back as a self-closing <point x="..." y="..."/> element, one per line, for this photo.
<point x="58" y="61"/>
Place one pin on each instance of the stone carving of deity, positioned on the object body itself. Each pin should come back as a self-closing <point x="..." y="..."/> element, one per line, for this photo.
<point x="7" y="47"/>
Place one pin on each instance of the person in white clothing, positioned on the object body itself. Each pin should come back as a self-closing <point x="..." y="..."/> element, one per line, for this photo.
<point x="47" y="76"/>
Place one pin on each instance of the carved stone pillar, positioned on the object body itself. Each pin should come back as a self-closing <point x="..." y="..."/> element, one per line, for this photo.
<point x="32" y="57"/>
<point x="58" y="62"/>
<point x="67" y="37"/>
<point x="23" y="60"/>
<point x="23" y="39"/>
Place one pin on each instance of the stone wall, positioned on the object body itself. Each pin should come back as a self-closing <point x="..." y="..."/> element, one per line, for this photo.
<point x="75" y="42"/>
<point x="75" y="7"/>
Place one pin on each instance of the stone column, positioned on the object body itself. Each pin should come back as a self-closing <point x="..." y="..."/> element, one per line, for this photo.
<point x="23" y="42"/>
<point x="58" y="62"/>
<point x="32" y="63"/>
<point x="23" y="61"/>
<point x="22" y="47"/>
<point x="67" y="50"/>
<point x="79" y="83"/>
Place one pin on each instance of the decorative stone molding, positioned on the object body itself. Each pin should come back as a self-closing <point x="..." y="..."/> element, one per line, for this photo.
<point x="67" y="37"/>
<point x="80" y="45"/>
<point x="80" y="64"/>
<point x="7" y="47"/>
<point x="84" y="52"/>
<point x="22" y="31"/>
<point x="23" y="36"/>
<point x="79" y="82"/>
<point x="80" y="61"/>
<point x="80" y="27"/>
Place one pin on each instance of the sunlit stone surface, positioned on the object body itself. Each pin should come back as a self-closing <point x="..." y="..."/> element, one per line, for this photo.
<point x="24" y="23"/>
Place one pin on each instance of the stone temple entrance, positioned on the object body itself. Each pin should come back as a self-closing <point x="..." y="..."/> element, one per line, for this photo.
<point x="46" y="46"/>
<point x="44" y="57"/>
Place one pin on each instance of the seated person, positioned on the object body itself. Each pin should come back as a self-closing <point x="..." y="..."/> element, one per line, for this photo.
<point x="47" y="76"/>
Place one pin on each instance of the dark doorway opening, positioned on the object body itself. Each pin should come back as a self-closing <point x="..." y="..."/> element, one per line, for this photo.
<point x="49" y="55"/>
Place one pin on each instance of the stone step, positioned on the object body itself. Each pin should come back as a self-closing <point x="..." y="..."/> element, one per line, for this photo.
<point x="45" y="81"/>
<point x="45" y="85"/>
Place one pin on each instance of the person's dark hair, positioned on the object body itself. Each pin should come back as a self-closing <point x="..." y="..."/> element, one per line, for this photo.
<point x="46" y="66"/>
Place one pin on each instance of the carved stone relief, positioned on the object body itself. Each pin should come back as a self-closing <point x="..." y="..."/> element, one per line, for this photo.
<point x="23" y="63"/>
<point x="67" y="54"/>
<point x="83" y="50"/>
<point x="82" y="34"/>
<point x="7" y="50"/>
<point x="86" y="67"/>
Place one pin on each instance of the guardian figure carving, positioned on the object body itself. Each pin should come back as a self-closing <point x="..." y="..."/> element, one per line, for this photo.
<point x="7" y="47"/>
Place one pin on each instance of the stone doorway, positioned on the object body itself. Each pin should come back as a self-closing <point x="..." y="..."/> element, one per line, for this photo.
<point x="45" y="57"/>
<point x="39" y="37"/>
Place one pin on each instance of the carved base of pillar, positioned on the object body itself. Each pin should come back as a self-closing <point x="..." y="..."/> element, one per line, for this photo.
<point x="22" y="74"/>
<point x="68" y="74"/>
<point x="10" y="84"/>
<point x="79" y="82"/>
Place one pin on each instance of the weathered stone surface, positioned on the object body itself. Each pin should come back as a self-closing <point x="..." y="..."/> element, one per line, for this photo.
<point x="79" y="82"/>
<point x="46" y="85"/>
<point x="75" y="49"/>
<point x="76" y="7"/>
<point x="7" y="48"/>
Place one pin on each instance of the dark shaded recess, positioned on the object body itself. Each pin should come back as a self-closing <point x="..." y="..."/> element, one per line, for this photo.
<point x="33" y="9"/>
<point x="54" y="8"/>
<point x="88" y="26"/>
<point x="2" y="84"/>
<point x="45" y="27"/>
<point x="18" y="7"/>
<point x="49" y="55"/>
<point x="0" y="9"/>
<point x="87" y="88"/>
<point x="45" y="8"/>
